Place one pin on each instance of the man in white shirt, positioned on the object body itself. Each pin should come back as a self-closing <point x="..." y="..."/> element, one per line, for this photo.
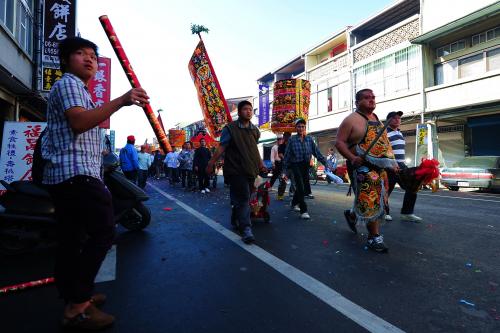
<point x="172" y="164"/>
<point x="144" y="159"/>
<point x="398" y="147"/>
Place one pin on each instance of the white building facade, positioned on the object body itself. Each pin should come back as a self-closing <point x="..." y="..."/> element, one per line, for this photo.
<point x="327" y="68"/>
<point x="462" y="59"/>
<point x="384" y="60"/>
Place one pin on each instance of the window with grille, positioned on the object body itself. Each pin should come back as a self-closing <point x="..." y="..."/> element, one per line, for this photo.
<point x="394" y="73"/>
<point x="16" y="16"/>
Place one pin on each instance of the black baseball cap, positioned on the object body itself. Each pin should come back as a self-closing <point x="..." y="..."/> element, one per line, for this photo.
<point x="300" y="121"/>
<point x="393" y="113"/>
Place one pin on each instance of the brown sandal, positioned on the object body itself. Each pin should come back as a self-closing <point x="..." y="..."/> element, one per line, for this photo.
<point x="92" y="319"/>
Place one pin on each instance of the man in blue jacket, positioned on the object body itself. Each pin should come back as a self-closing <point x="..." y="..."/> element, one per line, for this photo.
<point x="129" y="160"/>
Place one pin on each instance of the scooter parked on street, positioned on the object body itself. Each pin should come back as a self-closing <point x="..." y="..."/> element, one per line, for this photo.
<point x="27" y="214"/>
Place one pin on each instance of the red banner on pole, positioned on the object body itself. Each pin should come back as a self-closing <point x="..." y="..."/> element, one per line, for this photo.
<point x="212" y="101"/>
<point x="161" y="122"/>
<point x="100" y="85"/>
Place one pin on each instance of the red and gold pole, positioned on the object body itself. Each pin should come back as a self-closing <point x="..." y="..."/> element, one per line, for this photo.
<point x="134" y="82"/>
<point x="26" y="285"/>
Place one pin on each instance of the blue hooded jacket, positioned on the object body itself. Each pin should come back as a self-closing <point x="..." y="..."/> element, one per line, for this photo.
<point x="129" y="160"/>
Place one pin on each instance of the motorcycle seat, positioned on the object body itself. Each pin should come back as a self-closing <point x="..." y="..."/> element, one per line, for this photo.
<point x="29" y="188"/>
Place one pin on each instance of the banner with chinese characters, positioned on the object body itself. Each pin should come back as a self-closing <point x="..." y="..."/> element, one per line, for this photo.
<point x="100" y="85"/>
<point x="18" y="145"/>
<point x="263" y="104"/>
<point x="210" y="96"/>
<point x="59" y="23"/>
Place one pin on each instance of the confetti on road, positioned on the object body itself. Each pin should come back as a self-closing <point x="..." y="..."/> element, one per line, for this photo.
<point x="325" y="243"/>
<point x="168" y="209"/>
<point x="468" y="264"/>
<point x="477" y="271"/>
<point x="462" y="301"/>
<point x="366" y="248"/>
<point x="337" y="252"/>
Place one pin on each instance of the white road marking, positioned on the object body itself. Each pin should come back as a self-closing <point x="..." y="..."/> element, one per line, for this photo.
<point x="107" y="272"/>
<point x="356" y="313"/>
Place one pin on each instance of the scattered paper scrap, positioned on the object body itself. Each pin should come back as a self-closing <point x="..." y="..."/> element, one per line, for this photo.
<point x="462" y="301"/>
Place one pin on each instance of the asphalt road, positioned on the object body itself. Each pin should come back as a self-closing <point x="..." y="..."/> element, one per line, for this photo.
<point x="189" y="273"/>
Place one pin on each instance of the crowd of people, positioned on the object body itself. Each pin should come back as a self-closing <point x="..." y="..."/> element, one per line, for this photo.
<point x="186" y="166"/>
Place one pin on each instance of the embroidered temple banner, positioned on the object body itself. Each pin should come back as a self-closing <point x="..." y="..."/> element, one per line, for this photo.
<point x="291" y="101"/>
<point x="176" y="137"/>
<point x="213" y="104"/>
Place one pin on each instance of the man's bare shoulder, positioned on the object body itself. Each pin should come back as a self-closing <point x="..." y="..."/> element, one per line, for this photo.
<point x="350" y="119"/>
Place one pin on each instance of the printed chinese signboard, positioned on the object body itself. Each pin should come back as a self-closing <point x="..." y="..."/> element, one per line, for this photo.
<point x="263" y="104"/>
<point x="50" y="76"/>
<point x="18" y="145"/>
<point x="59" y="24"/>
<point x="100" y="85"/>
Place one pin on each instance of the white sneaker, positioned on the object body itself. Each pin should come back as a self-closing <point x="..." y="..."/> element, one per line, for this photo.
<point x="207" y="190"/>
<point x="202" y="191"/>
<point x="305" y="216"/>
<point x="411" y="218"/>
<point x="296" y="208"/>
<point x="388" y="217"/>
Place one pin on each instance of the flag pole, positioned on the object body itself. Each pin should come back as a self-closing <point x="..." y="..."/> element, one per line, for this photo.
<point x="134" y="81"/>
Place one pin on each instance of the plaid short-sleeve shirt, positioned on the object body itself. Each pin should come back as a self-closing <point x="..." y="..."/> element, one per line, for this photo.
<point x="69" y="154"/>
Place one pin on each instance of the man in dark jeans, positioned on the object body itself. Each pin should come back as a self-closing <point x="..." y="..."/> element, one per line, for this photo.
<point x="72" y="148"/>
<point x="200" y="160"/>
<point x="242" y="163"/>
<point x="281" y="154"/>
<point x="398" y="147"/>
<point x="298" y="157"/>
<point x="276" y="160"/>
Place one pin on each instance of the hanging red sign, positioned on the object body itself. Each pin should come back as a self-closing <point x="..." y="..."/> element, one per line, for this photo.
<point x="100" y="86"/>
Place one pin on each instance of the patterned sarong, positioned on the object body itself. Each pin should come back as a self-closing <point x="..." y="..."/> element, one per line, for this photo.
<point x="370" y="187"/>
<point x="370" y="181"/>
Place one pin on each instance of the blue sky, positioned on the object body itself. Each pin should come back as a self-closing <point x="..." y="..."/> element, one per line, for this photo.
<point x="247" y="39"/>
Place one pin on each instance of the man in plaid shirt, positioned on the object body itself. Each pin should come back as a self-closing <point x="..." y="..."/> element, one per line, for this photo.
<point x="297" y="157"/>
<point x="72" y="148"/>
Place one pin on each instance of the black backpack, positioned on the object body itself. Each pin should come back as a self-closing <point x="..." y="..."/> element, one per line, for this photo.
<point x="38" y="162"/>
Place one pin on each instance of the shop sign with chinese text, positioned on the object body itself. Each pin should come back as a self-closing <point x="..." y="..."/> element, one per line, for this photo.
<point x="18" y="145"/>
<point x="59" y="23"/>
